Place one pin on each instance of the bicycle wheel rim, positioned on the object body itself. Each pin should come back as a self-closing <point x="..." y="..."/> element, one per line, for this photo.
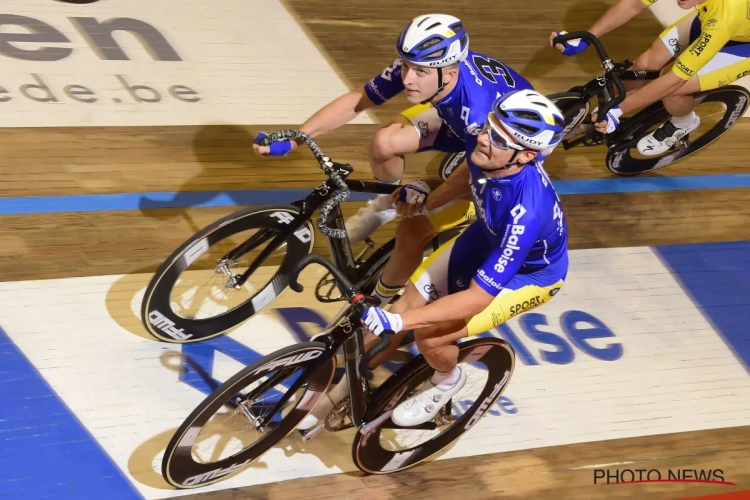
<point x="371" y="458"/>
<point x="156" y="309"/>
<point x="178" y="465"/>
<point x="620" y="160"/>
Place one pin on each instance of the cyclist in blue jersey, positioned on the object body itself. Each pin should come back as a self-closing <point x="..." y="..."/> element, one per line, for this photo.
<point x="452" y="88"/>
<point x="514" y="260"/>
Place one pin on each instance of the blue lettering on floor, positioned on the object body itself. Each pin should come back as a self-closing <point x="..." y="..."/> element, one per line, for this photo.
<point x="717" y="278"/>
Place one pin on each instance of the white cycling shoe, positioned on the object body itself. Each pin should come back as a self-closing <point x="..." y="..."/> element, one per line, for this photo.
<point x="368" y="220"/>
<point x="424" y="406"/>
<point x="663" y="138"/>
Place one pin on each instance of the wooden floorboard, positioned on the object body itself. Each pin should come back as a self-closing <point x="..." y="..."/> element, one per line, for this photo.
<point x="544" y="473"/>
<point x="98" y="243"/>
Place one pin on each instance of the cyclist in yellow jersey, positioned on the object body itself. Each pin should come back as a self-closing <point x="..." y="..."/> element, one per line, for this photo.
<point x="710" y="47"/>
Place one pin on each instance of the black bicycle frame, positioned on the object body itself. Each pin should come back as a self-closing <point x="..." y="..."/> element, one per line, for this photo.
<point x="341" y="249"/>
<point x="602" y="88"/>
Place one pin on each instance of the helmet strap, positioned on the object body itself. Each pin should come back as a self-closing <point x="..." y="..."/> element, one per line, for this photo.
<point x="511" y="162"/>
<point x="441" y="87"/>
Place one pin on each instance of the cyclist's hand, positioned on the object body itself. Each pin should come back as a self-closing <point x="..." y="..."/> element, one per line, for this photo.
<point x="280" y="148"/>
<point x="377" y="320"/>
<point x="571" y="47"/>
<point x="610" y="122"/>
<point x="411" y="198"/>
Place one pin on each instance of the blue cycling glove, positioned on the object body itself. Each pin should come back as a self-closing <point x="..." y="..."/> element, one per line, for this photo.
<point x="573" y="47"/>
<point x="280" y="148"/>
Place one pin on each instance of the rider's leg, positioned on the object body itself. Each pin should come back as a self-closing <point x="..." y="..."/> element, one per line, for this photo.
<point x="728" y="65"/>
<point x="416" y="129"/>
<point x="438" y="344"/>
<point x="388" y="147"/>
<point x="653" y="59"/>
<point x="412" y="235"/>
<point x="670" y="44"/>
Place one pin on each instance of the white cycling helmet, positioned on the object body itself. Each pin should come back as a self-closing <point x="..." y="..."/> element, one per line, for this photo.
<point x="434" y="40"/>
<point x="532" y="119"/>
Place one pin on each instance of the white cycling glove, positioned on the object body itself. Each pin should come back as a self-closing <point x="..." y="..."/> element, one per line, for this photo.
<point x="378" y="319"/>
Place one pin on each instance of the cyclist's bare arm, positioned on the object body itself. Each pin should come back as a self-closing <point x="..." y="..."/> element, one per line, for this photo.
<point x="333" y="115"/>
<point x="617" y="15"/>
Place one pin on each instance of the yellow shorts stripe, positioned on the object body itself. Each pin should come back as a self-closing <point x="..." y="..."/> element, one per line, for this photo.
<point x="509" y="304"/>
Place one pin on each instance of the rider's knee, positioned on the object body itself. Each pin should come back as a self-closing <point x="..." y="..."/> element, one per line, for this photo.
<point x="654" y="58"/>
<point x="389" y="141"/>
<point x="429" y="341"/>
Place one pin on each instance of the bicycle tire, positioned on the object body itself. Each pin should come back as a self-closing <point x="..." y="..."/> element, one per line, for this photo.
<point x="450" y="163"/>
<point x="574" y="107"/>
<point x="156" y="311"/>
<point x="179" y="468"/>
<point x="619" y="160"/>
<point x="371" y="458"/>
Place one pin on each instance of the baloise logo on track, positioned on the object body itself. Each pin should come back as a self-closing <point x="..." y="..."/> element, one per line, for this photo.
<point x="24" y="38"/>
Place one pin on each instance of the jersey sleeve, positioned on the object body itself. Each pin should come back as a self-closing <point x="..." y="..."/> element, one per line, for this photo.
<point x="714" y="35"/>
<point x="507" y="258"/>
<point x="386" y="85"/>
<point x="649" y="3"/>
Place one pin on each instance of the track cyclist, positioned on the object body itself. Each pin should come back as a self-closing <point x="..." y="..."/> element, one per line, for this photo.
<point x="514" y="258"/>
<point x="452" y="89"/>
<point x="711" y="47"/>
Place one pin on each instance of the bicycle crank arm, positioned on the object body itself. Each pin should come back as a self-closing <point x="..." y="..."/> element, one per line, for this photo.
<point x="374" y="424"/>
<point x="309" y="435"/>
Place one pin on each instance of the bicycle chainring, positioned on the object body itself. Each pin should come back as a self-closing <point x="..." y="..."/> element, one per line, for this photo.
<point x="338" y="418"/>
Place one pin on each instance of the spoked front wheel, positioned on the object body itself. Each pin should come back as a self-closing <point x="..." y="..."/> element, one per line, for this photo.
<point x="719" y="109"/>
<point x="248" y="414"/>
<point x="195" y="296"/>
<point x="488" y="363"/>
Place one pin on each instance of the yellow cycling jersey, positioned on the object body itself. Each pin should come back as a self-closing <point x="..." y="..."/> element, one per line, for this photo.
<point x="721" y="21"/>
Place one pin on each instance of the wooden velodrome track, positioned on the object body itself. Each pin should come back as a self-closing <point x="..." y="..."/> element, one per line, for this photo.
<point x="358" y="40"/>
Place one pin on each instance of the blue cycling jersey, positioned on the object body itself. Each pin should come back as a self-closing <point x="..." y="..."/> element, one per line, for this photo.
<point x="524" y="229"/>
<point x="482" y="79"/>
<point x="523" y="223"/>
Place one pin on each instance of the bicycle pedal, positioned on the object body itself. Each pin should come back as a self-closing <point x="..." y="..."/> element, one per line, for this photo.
<point x="310" y="434"/>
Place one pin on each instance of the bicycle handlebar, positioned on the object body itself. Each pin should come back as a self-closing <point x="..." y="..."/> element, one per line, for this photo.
<point x="343" y="282"/>
<point x="350" y="293"/>
<point x="341" y="194"/>
<point x="609" y="67"/>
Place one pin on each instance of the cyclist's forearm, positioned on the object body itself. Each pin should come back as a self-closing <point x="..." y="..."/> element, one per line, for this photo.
<point x="454" y="188"/>
<point x="337" y="113"/>
<point x="619" y="14"/>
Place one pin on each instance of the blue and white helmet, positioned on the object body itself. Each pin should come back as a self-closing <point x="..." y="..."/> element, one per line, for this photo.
<point x="434" y="40"/>
<point x="532" y="119"/>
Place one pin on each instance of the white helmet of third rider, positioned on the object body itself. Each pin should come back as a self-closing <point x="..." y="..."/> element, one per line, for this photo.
<point x="434" y="40"/>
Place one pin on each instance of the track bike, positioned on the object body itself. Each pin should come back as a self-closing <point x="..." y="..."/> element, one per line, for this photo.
<point x="622" y="156"/>
<point x="282" y="234"/>
<point x="271" y="396"/>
